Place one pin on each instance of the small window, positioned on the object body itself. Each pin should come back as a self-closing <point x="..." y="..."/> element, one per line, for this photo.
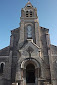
<point x="1" y="67"/>
<point x="30" y="13"/>
<point x="28" y="5"/>
<point x="26" y="16"/>
<point x="26" y="13"/>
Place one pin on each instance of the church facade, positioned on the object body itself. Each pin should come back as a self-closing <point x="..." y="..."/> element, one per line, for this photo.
<point x="30" y="59"/>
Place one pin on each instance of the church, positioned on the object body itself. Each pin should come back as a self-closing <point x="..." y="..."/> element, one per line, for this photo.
<point x="30" y="59"/>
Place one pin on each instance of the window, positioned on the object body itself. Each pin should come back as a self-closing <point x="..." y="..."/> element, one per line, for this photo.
<point x="1" y="67"/>
<point x="30" y="13"/>
<point x="26" y="13"/>
<point x="28" y="5"/>
<point x="29" y="31"/>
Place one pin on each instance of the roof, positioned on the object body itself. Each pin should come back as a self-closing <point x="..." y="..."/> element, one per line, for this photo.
<point x="53" y="49"/>
<point x="43" y="28"/>
<point x="16" y="30"/>
<point x="53" y="46"/>
<point x="5" y="51"/>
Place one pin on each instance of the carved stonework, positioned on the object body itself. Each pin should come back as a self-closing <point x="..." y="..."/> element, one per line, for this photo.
<point x="30" y="50"/>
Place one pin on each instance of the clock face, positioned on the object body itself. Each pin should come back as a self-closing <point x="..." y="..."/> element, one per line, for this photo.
<point x="29" y="31"/>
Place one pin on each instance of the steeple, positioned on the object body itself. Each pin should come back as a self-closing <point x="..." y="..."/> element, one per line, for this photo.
<point x="29" y="24"/>
<point x="29" y="11"/>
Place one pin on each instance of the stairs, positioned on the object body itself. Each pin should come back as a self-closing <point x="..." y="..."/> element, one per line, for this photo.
<point x="47" y="83"/>
<point x="30" y="84"/>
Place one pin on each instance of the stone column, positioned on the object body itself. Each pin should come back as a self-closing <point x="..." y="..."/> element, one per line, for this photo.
<point x="18" y="74"/>
<point x="21" y="73"/>
<point x="24" y="76"/>
<point x="36" y="76"/>
<point x="38" y="82"/>
<point x="21" y="82"/>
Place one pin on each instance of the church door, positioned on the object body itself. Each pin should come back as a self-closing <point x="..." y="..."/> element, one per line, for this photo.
<point x="30" y="73"/>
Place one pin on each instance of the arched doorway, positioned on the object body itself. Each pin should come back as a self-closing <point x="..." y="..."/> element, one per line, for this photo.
<point x="30" y="73"/>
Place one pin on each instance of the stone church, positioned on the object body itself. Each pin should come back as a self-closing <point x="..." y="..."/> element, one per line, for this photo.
<point x="30" y="59"/>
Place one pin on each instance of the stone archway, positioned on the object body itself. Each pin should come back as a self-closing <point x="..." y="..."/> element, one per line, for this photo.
<point x="30" y="73"/>
<point x="30" y="68"/>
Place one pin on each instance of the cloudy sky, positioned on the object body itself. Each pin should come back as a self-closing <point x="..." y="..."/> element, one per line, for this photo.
<point x="10" y="12"/>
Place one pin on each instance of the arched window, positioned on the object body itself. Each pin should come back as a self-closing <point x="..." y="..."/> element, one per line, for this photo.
<point x="27" y="13"/>
<point x="28" y="5"/>
<point x="1" y="67"/>
<point x="29" y="31"/>
<point x="30" y="13"/>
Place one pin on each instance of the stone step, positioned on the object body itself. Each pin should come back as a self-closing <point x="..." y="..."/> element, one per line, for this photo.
<point x="47" y="83"/>
<point x="30" y="84"/>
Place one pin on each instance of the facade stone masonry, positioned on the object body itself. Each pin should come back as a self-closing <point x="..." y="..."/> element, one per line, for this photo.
<point x="30" y="59"/>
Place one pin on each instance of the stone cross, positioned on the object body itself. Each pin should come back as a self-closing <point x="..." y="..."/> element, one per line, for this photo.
<point x="29" y="53"/>
<point x="30" y="50"/>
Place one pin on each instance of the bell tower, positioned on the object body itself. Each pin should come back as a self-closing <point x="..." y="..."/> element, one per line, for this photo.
<point x="30" y="59"/>
<point x="29" y="25"/>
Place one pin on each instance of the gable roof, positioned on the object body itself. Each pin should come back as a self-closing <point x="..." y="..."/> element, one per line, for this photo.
<point x="30" y="43"/>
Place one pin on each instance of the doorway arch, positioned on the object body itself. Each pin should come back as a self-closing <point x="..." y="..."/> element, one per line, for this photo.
<point x="26" y="64"/>
<point x="30" y="73"/>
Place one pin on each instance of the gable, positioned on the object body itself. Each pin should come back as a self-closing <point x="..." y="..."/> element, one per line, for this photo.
<point x="30" y="46"/>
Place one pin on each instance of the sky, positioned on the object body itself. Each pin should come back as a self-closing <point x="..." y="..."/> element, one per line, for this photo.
<point x="10" y="13"/>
